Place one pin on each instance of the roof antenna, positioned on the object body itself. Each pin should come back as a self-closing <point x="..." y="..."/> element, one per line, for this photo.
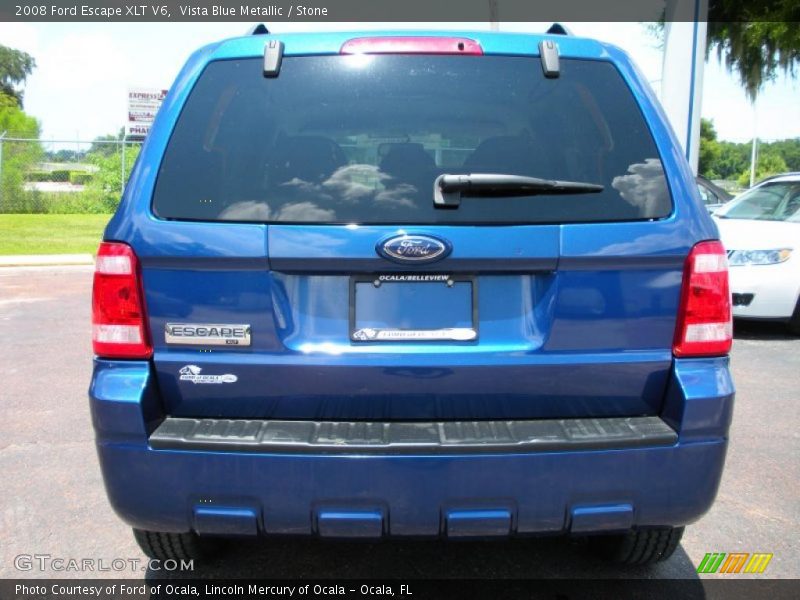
<point x="559" y="29"/>
<point x="548" y="52"/>
<point x="273" y="55"/>
<point x="258" y="29"/>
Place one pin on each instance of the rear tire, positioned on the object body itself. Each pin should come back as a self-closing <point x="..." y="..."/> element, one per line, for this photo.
<point x="174" y="546"/>
<point x="638" y="547"/>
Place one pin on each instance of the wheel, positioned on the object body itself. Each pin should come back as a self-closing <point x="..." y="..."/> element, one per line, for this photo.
<point x="176" y="546"/>
<point x="638" y="547"/>
<point x="794" y="321"/>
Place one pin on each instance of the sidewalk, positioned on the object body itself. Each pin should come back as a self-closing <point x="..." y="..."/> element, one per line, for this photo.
<point x="43" y="260"/>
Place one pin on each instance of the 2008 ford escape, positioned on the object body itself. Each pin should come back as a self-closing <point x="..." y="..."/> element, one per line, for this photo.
<point x="443" y="285"/>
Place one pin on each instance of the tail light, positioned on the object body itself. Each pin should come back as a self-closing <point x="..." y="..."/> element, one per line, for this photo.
<point x="118" y="317"/>
<point x="704" y="317"/>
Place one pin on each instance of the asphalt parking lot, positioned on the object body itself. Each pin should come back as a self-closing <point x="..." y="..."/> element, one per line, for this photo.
<point x="53" y="500"/>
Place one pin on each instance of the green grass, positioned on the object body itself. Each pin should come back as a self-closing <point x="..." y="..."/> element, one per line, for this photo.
<point x="51" y="234"/>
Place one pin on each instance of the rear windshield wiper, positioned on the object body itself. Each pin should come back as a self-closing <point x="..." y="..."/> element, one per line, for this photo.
<point x="448" y="189"/>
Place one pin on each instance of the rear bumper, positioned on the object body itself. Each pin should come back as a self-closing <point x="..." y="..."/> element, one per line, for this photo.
<point x="379" y="438"/>
<point x="363" y="493"/>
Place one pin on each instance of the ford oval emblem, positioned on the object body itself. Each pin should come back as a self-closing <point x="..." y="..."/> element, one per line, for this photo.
<point x="416" y="249"/>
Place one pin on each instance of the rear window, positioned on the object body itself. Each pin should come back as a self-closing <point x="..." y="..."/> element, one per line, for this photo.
<point x="361" y="139"/>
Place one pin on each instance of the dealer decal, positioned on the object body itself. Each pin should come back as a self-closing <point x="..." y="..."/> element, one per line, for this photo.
<point x="194" y="374"/>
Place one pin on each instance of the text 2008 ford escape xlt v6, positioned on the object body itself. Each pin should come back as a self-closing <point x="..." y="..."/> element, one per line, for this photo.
<point x="454" y="286"/>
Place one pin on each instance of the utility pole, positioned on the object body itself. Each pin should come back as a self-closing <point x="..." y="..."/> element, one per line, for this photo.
<point x="753" y="161"/>
<point x="754" y="148"/>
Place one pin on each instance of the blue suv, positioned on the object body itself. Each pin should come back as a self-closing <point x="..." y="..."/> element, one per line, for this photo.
<point x="386" y="285"/>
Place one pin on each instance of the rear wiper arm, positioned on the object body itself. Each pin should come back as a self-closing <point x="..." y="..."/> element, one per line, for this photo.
<point x="448" y="189"/>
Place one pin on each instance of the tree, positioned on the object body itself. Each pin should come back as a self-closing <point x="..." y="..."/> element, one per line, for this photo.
<point x="710" y="150"/>
<point x="15" y="66"/>
<point x="757" y="51"/>
<point x="65" y="155"/>
<point x="18" y="157"/>
<point x="729" y="160"/>
<point x="733" y="159"/>
<point x="769" y="163"/>
<point x="107" y="149"/>
<point x="756" y="38"/>
<point x="106" y="184"/>
<point x="789" y="151"/>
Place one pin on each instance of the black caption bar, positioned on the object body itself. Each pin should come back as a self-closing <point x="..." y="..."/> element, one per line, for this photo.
<point x="380" y="10"/>
<point x="253" y="589"/>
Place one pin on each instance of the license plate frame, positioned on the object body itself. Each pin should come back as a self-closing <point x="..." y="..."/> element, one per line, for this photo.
<point x="461" y="335"/>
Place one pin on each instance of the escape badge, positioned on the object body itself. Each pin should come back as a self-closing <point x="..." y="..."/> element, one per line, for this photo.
<point x="202" y="334"/>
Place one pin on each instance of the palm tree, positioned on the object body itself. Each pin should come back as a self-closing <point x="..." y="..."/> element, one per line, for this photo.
<point x="754" y="38"/>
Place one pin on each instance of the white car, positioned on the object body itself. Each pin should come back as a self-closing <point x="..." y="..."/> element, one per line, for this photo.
<point x="760" y="229"/>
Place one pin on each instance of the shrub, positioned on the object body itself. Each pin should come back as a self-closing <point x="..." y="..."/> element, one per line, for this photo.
<point x="60" y="175"/>
<point x="80" y="177"/>
<point x="37" y="176"/>
<point x="769" y="163"/>
<point x="18" y="157"/>
<point x="88" y="201"/>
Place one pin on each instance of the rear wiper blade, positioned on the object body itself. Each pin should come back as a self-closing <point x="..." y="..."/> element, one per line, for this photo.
<point x="448" y="189"/>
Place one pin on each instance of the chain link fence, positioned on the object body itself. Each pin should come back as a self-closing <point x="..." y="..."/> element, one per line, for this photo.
<point x="63" y="176"/>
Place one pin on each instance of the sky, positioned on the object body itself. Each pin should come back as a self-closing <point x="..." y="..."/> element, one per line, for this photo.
<point x="84" y="70"/>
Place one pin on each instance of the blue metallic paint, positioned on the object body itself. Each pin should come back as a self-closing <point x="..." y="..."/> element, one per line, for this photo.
<point x="593" y="289"/>
<point x="159" y="489"/>
<point x="222" y="520"/>
<point x="593" y="313"/>
<point x="604" y="517"/>
<point x="470" y="523"/>
<point x="350" y="523"/>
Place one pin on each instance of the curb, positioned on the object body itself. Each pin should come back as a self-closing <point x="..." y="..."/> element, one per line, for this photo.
<point x="45" y="260"/>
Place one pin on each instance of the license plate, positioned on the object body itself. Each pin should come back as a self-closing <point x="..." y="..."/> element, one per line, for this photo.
<point x="419" y="307"/>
